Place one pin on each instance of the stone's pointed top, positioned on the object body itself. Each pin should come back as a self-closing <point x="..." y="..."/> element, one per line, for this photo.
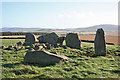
<point x="100" y="31"/>
<point x="53" y="33"/>
<point x="100" y="28"/>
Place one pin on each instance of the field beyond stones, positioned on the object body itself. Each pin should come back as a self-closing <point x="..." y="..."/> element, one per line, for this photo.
<point x="80" y="65"/>
<point x="114" y="39"/>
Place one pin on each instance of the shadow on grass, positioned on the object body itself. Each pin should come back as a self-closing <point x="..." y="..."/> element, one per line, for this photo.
<point x="12" y="65"/>
<point x="34" y="64"/>
<point x="23" y="71"/>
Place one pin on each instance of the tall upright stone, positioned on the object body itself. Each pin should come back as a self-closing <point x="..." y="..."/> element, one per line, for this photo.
<point x="30" y="38"/>
<point x="99" y="43"/>
<point x="72" y="41"/>
<point x="51" y="38"/>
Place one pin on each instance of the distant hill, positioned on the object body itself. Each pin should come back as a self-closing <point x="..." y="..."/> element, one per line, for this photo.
<point x="46" y="30"/>
<point x="106" y="28"/>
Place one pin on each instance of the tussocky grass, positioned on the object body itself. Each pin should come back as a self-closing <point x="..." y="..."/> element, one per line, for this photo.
<point x="80" y="65"/>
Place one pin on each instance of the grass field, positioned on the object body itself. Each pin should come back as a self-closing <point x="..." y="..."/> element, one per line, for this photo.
<point x="80" y="66"/>
<point x="8" y="42"/>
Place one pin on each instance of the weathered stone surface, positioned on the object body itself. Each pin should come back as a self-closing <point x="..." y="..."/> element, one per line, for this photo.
<point x="49" y="38"/>
<point x="100" y="45"/>
<point x="43" y="57"/>
<point x="60" y="40"/>
<point x="72" y="41"/>
<point x="30" y="38"/>
<point x="19" y="43"/>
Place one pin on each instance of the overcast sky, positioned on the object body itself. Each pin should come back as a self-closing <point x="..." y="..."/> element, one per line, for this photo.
<point x="59" y="14"/>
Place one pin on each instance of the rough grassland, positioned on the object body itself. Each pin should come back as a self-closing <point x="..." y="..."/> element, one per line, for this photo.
<point x="80" y="66"/>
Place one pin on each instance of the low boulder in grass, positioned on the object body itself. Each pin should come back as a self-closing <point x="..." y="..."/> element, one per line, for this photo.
<point x="19" y="43"/>
<point x="9" y="48"/>
<point x="43" y="58"/>
<point x="2" y="47"/>
<point x="15" y="47"/>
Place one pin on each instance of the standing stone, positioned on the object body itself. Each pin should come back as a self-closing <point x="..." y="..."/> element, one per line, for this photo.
<point x="49" y="38"/>
<point x="30" y="38"/>
<point x="72" y="41"/>
<point x="100" y="45"/>
<point x="43" y="57"/>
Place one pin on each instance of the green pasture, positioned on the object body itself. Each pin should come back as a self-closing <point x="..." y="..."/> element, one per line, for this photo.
<point x="80" y="65"/>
